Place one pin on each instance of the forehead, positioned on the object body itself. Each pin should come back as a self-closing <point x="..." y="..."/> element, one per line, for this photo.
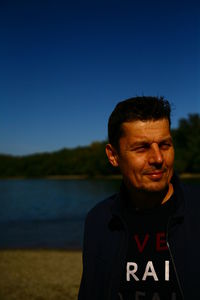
<point x="153" y="130"/>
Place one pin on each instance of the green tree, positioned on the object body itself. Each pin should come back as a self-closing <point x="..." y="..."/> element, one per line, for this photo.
<point x="187" y="144"/>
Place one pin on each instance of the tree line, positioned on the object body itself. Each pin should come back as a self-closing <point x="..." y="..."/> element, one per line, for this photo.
<point x="92" y="161"/>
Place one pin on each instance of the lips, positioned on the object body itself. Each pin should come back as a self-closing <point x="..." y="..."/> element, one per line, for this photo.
<point x="155" y="175"/>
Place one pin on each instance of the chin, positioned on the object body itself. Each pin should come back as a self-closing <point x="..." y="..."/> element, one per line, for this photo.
<point x="155" y="187"/>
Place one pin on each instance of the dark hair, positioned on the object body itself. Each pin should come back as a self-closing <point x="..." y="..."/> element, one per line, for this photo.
<point x="133" y="109"/>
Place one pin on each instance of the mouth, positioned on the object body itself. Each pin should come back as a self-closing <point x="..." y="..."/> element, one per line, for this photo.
<point x="155" y="175"/>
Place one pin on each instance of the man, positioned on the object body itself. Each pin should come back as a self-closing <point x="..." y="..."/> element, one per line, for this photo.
<point x="143" y="242"/>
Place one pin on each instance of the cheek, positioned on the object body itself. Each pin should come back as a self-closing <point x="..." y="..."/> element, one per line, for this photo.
<point x="136" y="164"/>
<point x="170" y="158"/>
<point x="132" y="165"/>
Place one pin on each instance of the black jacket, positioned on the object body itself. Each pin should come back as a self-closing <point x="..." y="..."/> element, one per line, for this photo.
<point x="106" y="241"/>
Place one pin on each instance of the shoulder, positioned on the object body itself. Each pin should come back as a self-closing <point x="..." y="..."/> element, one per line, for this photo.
<point x="102" y="210"/>
<point x="191" y="194"/>
<point x="96" y="229"/>
<point x="188" y="195"/>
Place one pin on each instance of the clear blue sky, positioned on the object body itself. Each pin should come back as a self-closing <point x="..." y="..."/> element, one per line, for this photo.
<point x="65" y="64"/>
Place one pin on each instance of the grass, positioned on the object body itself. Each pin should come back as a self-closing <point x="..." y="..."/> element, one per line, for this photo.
<point x="39" y="274"/>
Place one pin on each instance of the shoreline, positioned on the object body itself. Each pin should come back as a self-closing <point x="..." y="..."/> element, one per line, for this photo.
<point x="34" y="249"/>
<point x="84" y="177"/>
<point x="64" y="177"/>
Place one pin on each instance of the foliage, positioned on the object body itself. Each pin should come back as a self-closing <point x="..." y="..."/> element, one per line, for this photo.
<point x="187" y="144"/>
<point x="92" y="161"/>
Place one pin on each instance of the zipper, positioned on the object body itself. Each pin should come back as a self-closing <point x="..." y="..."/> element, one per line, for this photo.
<point x="172" y="259"/>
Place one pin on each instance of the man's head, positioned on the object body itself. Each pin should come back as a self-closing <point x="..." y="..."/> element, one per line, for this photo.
<point x="140" y="142"/>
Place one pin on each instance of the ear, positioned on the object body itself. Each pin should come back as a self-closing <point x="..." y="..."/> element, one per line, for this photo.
<point x="112" y="155"/>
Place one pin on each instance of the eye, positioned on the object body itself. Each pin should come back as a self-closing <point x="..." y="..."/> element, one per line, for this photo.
<point x="165" y="146"/>
<point x="142" y="148"/>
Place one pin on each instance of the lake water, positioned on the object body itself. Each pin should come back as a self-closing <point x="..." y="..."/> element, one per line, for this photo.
<point x="43" y="213"/>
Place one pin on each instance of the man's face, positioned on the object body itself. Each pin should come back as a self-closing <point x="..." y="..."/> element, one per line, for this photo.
<point x="146" y="154"/>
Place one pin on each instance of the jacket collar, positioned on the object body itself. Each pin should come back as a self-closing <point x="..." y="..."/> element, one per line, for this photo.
<point x="178" y="197"/>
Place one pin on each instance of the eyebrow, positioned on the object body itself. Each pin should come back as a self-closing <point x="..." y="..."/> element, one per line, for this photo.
<point x="146" y="142"/>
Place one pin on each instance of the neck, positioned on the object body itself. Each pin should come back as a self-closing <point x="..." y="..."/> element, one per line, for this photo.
<point x="147" y="200"/>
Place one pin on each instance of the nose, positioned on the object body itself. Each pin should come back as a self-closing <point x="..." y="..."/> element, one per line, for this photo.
<point x="155" y="155"/>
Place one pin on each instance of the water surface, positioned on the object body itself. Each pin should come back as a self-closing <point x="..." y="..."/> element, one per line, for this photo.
<point x="48" y="213"/>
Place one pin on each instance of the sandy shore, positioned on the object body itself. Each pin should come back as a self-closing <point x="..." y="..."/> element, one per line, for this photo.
<point x="39" y="274"/>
